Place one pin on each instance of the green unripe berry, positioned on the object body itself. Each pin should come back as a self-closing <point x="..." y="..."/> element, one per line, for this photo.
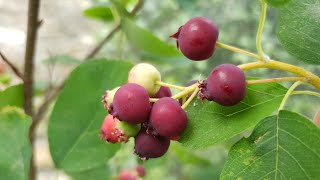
<point x="146" y="76"/>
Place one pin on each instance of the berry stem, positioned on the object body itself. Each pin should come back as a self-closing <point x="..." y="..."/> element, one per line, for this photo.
<point x="289" y="92"/>
<point x="170" y="85"/>
<point x="273" y="64"/>
<point x="237" y="50"/>
<point x="194" y="94"/>
<point x="187" y="90"/>
<point x="307" y="93"/>
<point x="261" y="81"/>
<point x="260" y="29"/>
<point x="153" y="99"/>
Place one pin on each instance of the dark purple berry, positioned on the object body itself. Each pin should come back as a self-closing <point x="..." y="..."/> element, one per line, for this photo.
<point x="226" y="85"/>
<point x="197" y="38"/>
<point x="131" y="104"/>
<point x="167" y="118"/>
<point x="150" y="146"/>
<point x="163" y="92"/>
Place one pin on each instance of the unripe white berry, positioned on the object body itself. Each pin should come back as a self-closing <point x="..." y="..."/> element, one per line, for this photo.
<point x="146" y="76"/>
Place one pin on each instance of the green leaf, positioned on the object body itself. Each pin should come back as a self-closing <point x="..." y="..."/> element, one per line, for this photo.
<point x="12" y="96"/>
<point x="75" y="122"/>
<point x="62" y="60"/>
<point x="123" y="13"/>
<point x="15" y="151"/>
<point x="298" y="29"/>
<point x="284" y="146"/>
<point x="99" y="173"/>
<point x="277" y="3"/>
<point x="210" y="123"/>
<point x="5" y="79"/>
<point x="102" y="13"/>
<point x="186" y="156"/>
<point x="146" y="42"/>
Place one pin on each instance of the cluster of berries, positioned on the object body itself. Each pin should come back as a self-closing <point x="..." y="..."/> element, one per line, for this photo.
<point x="153" y="125"/>
<point x="131" y="114"/>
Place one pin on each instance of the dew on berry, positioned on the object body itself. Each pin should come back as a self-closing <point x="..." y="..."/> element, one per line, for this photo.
<point x="163" y="92"/>
<point x="150" y="146"/>
<point x="146" y="76"/>
<point x="226" y="85"/>
<point x="197" y="38"/>
<point x="131" y="104"/>
<point x="167" y="118"/>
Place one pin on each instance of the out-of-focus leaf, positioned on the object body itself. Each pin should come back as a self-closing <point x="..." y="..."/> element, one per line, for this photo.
<point x="120" y="9"/>
<point x="62" y="60"/>
<point x="277" y="3"/>
<point x="12" y="96"/>
<point x="5" y="79"/>
<point x="15" y="148"/>
<point x="102" y="13"/>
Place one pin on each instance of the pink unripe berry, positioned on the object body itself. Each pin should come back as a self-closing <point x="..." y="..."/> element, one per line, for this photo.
<point x="163" y="92"/>
<point x="114" y="131"/>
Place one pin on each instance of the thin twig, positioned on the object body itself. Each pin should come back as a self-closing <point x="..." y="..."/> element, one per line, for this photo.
<point x="12" y="66"/>
<point x="115" y="29"/>
<point x="32" y="29"/>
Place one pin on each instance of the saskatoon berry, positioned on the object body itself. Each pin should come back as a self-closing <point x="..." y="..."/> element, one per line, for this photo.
<point x="226" y="85"/>
<point x="107" y="98"/>
<point x="114" y="131"/>
<point x="197" y="38"/>
<point x="140" y="171"/>
<point x="150" y="146"/>
<point x="131" y="104"/>
<point x="127" y="175"/>
<point x="167" y="118"/>
<point x="146" y="76"/>
<point x="163" y="92"/>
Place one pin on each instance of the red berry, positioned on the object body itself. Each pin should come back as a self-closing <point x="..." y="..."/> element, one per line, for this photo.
<point x="168" y="118"/>
<point x="316" y="119"/>
<point x="114" y="131"/>
<point x="197" y="38"/>
<point x="163" y="92"/>
<point x="127" y="175"/>
<point x="150" y="146"/>
<point x="131" y="104"/>
<point x="226" y="85"/>
<point x="140" y="171"/>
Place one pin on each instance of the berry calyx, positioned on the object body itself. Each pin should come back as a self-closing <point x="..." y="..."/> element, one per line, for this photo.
<point x="114" y="131"/>
<point x="226" y="85"/>
<point x="167" y="118"/>
<point x="150" y="146"/>
<point x="146" y="76"/>
<point x="163" y="92"/>
<point x="197" y="38"/>
<point x="131" y="104"/>
<point x="108" y="96"/>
